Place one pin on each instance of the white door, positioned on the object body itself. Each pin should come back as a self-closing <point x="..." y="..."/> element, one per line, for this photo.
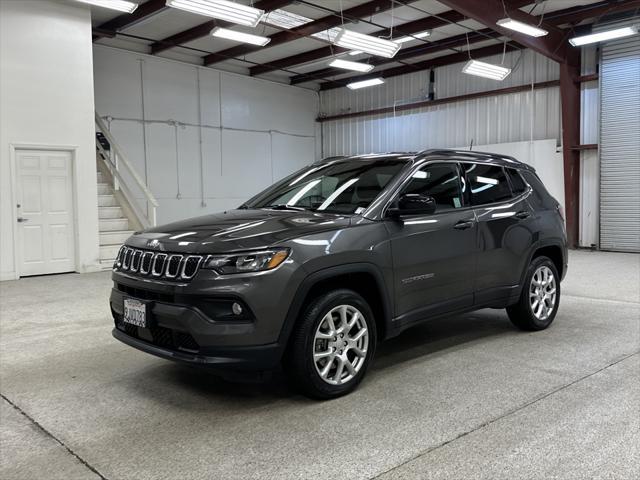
<point x="46" y="237"/>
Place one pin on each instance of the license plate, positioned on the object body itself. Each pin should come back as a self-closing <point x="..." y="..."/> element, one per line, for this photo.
<point x="135" y="312"/>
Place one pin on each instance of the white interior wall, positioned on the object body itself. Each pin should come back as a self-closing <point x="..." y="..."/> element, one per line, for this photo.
<point x="253" y="131"/>
<point x="46" y="99"/>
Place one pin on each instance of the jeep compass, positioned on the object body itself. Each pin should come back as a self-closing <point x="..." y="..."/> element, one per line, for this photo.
<point x="317" y="269"/>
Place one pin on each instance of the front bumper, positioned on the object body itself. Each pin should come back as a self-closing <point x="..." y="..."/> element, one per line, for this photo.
<point x="263" y="357"/>
<point x="192" y="322"/>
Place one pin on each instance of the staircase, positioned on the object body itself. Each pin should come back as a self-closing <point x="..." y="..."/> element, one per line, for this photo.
<point x="113" y="224"/>
<point x="120" y="212"/>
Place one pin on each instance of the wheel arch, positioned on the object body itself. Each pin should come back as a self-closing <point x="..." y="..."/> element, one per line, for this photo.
<point x="365" y="279"/>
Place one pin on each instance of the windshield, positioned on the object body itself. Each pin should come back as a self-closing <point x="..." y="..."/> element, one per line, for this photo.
<point x="343" y="187"/>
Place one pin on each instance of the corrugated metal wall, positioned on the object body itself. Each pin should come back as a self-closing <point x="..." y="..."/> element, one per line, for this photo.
<point x="507" y="118"/>
<point x="620" y="146"/>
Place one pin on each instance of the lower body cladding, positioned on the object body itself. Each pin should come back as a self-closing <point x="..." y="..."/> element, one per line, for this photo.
<point x="199" y="324"/>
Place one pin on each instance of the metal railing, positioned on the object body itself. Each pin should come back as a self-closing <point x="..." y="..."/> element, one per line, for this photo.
<point x="116" y="162"/>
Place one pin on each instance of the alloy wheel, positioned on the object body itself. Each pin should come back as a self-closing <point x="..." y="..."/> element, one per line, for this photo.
<point x="542" y="292"/>
<point x="340" y="344"/>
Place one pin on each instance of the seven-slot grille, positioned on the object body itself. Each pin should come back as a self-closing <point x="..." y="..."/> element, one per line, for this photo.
<point x="173" y="266"/>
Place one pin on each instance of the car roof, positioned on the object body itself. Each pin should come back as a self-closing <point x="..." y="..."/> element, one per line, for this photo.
<point x="453" y="155"/>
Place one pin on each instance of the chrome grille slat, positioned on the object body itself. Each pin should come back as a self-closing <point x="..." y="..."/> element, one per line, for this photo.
<point x="158" y="270"/>
<point x="172" y="272"/>
<point x="173" y="266"/>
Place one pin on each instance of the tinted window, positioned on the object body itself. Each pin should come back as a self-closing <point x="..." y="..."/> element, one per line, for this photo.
<point x="488" y="184"/>
<point x="517" y="183"/>
<point x="441" y="181"/>
<point x="342" y="187"/>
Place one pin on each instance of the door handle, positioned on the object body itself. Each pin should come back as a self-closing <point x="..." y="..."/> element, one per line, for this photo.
<point x="22" y="220"/>
<point x="464" y="224"/>
<point x="523" y="214"/>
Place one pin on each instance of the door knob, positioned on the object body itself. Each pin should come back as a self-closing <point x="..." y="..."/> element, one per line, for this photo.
<point x="523" y="214"/>
<point x="22" y="220"/>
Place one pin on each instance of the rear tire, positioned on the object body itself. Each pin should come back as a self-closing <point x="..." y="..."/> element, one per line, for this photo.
<point x="332" y="345"/>
<point x="540" y="296"/>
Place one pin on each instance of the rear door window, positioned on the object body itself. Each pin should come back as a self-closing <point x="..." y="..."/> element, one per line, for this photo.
<point x="440" y="181"/>
<point x="488" y="183"/>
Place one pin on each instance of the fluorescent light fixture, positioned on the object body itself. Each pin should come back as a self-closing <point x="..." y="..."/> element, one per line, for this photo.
<point x="487" y="70"/>
<point x="408" y="38"/>
<point x="240" y="36"/>
<point x="120" y="5"/>
<point x="365" y="83"/>
<point x="222" y="9"/>
<point x="367" y="43"/>
<point x="284" y="19"/>
<point x="327" y="35"/>
<point x="521" y="27"/>
<point x="347" y="65"/>
<point x="603" y="36"/>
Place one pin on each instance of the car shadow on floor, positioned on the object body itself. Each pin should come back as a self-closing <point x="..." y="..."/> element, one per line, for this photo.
<point x="417" y="343"/>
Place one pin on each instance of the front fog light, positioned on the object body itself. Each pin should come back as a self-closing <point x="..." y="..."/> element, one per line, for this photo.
<point x="236" y="308"/>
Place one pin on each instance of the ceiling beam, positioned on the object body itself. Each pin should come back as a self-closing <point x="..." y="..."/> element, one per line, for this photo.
<point x="423" y="49"/>
<point x="319" y="25"/>
<point x="203" y="29"/>
<point x="424" y="65"/>
<point x="409" y="28"/>
<point x="559" y="17"/>
<point x="554" y="45"/>
<point x="580" y="13"/>
<point x="144" y="10"/>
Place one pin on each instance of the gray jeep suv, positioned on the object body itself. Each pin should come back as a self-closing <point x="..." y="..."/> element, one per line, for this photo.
<point x="317" y="269"/>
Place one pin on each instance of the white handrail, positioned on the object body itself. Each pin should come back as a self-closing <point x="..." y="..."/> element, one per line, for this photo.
<point x="121" y="159"/>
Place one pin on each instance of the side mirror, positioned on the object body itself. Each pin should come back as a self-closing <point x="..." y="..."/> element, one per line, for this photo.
<point x="413" y="204"/>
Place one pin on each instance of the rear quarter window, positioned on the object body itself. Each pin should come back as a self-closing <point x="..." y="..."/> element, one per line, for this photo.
<point x="518" y="186"/>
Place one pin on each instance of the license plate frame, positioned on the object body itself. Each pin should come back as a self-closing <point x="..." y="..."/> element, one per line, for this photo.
<point x="135" y="312"/>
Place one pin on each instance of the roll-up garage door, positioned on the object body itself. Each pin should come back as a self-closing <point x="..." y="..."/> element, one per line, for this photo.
<point x="620" y="145"/>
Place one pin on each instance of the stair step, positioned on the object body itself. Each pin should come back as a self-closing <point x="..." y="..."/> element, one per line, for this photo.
<point x="107" y="201"/>
<point x="107" y="263"/>
<point x="104" y="189"/>
<point x="113" y="224"/>
<point x="110" y="212"/>
<point x="115" y="237"/>
<point x="109" y="252"/>
<point x="101" y="177"/>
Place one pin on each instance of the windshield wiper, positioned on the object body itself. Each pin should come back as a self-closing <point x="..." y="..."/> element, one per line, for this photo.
<point x="284" y="206"/>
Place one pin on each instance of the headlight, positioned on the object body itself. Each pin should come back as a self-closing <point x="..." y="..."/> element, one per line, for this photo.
<point x="247" y="262"/>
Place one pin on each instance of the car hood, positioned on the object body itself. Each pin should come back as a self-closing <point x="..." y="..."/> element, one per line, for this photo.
<point x="235" y="230"/>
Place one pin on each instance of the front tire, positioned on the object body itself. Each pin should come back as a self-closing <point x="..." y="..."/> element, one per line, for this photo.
<point x="540" y="297"/>
<point x="332" y="344"/>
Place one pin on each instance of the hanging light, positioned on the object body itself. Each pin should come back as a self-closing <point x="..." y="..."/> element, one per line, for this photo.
<point x="486" y="70"/>
<point x="521" y="27"/>
<point x="347" y="65"/>
<point x="221" y="9"/>
<point x="120" y="5"/>
<point x="240" y="36"/>
<point x="366" y="43"/>
<point x="408" y="38"/>
<point x="603" y="36"/>
<point x="365" y="83"/>
<point x="284" y="19"/>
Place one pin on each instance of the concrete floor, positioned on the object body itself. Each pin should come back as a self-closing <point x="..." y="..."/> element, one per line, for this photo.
<point x="467" y="397"/>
